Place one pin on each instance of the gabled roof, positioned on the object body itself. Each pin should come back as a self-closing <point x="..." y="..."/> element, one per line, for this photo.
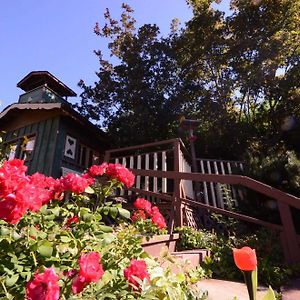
<point x="64" y="109"/>
<point x="38" y="78"/>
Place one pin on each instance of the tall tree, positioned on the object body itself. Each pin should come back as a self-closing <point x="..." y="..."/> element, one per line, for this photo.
<point x="238" y="74"/>
<point x="139" y="95"/>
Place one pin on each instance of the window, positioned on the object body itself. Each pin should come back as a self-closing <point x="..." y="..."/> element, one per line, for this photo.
<point x="12" y="149"/>
<point x="22" y="148"/>
<point x="27" y="147"/>
<point x="86" y="156"/>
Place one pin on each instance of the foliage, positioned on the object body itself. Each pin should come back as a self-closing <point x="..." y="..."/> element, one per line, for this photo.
<point x="236" y="73"/>
<point x="220" y="263"/>
<point x="278" y="167"/>
<point x="63" y="248"/>
<point x="194" y="239"/>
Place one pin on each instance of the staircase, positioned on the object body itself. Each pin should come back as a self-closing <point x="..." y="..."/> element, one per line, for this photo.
<point x="164" y="176"/>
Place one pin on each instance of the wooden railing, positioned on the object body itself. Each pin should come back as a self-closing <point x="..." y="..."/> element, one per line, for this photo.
<point x="162" y="172"/>
<point x="169" y="155"/>
<point x="290" y="240"/>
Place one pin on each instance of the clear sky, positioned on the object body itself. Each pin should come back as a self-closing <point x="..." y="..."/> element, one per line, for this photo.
<point x="57" y="36"/>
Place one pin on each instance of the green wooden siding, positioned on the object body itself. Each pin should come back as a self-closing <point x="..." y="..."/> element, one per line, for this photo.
<point x="44" y="148"/>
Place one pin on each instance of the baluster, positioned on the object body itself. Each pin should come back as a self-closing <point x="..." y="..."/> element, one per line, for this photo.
<point x="204" y="183"/>
<point x="164" y="168"/>
<point x="155" y="189"/>
<point x="211" y="184"/>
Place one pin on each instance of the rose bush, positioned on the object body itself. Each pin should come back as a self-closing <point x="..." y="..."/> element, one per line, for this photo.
<point x="55" y="243"/>
<point x="147" y="218"/>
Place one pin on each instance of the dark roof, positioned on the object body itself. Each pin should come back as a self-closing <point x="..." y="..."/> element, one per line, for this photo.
<point x="38" y="78"/>
<point x="63" y="108"/>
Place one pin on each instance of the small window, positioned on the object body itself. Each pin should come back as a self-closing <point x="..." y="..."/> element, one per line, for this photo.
<point x="12" y="150"/>
<point x="27" y="147"/>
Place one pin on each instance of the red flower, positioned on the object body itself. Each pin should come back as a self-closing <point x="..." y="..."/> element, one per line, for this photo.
<point x="143" y="204"/>
<point x="137" y="268"/>
<point x="74" y="183"/>
<point x="157" y="218"/>
<point x="138" y="215"/>
<point x="12" y="176"/>
<point x="122" y="174"/>
<point x="72" y="220"/>
<point x="11" y="210"/>
<point x="245" y="258"/>
<point x="97" y="170"/>
<point x="44" y="286"/>
<point x="90" y="271"/>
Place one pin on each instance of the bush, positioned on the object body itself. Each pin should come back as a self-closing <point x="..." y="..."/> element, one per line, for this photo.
<point x="53" y="249"/>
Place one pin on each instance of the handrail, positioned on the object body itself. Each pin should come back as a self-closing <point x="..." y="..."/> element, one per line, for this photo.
<point x="226" y="179"/>
<point x="290" y="239"/>
<point x="233" y="214"/>
<point x="148" y="145"/>
<point x="138" y="147"/>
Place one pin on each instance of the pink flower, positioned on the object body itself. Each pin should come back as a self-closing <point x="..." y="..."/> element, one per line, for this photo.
<point x="12" y="176"/>
<point x="11" y="210"/>
<point x="74" y="183"/>
<point x="44" y="286"/>
<point x="97" y="170"/>
<point x="138" y="215"/>
<point x="137" y="268"/>
<point x="158" y="219"/>
<point x="143" y="204"/>
<point x="90" y="270"/>
<point x="117" y="171"/>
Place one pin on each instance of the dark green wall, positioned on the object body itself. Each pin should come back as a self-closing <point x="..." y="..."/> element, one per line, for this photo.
<point x="44" y="149"/>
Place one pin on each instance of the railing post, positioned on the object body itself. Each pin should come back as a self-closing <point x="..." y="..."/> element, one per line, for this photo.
<point x="291" y="247"/>
<point x="107" y="156"/>
<point x="177" y="191"/>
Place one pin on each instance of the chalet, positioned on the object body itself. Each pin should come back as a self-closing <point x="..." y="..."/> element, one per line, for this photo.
<point x="43" y="129"/>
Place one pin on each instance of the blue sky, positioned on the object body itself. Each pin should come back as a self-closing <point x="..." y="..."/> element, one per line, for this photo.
<point x="57" y="36"/>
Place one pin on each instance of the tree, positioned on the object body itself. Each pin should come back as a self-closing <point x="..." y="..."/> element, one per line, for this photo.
<point x="140" y="95"/>
<point x="237" y="74"/>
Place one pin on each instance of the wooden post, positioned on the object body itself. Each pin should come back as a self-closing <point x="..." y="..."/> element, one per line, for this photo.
<point x="291" y="247"/>
<point x="107" y="156"/>
<point x="177" y="191"/>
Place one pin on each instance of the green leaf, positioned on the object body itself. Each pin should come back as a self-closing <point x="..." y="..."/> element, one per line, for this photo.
<point x="270" y="295"/>
<point x="113" y="211"/>
<point x="45" y="248"/>
<point x="89" y="190"/>
<point x="65" y="239"/>
<point x="4" y="231"/>
<point x="124" y="212"/>
<point x="10" y="281"/>
<point x="105" y="228"/>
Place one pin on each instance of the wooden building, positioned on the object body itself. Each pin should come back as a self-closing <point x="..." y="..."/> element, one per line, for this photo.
<point x="45" y="131"/>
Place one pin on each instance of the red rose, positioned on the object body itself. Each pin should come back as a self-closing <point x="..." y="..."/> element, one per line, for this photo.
<point x="11" y="210"/>
<point x="122" y="174"/>
<point x="245" y="258"/>
<point x="72" y="220"/>
<point x="138" y="215"/>
<point x="137" y="268"/>
<point x="158" y="219"/>
<point x="12" y="176"/>
<point x="90" y="271"/>
<point x="143" y="204"/>
<point x="44" y="286"/>
<point x="74" y="183"/>
<point x="97" y="170"/>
